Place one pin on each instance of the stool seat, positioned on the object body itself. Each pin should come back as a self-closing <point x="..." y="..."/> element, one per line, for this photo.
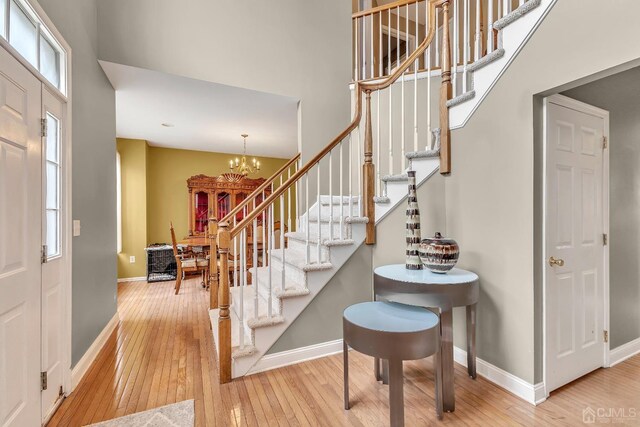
<point x="394" y="332"/>
<point x="390" y="317"/>
<point x="391" y="330"/>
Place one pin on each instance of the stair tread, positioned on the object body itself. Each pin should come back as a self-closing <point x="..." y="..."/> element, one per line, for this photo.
<point x="395" y="178"/>
<point x="290" y="286"/>
<point x="516" y="14"/>
<point x="301" y="236"/>
<point x="461" y="98"/>
<point x="426" y="154"/>
<point x="486" y="60"/>
<point x="298" y="261"/>
<point x="381" y="199"/>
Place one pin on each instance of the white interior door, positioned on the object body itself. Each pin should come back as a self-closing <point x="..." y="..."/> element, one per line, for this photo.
<point x="20" y="207"/>
<point x="53" y="230"/>
<point x="574" y="246"/>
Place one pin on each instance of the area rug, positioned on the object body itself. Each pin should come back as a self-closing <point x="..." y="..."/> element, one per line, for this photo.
<point x="179" y="414"/>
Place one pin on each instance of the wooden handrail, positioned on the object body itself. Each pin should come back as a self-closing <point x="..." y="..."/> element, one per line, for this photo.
<point x="259" y="190"/>
<point x="383" y="7"/>
<point x="360" y="87"/>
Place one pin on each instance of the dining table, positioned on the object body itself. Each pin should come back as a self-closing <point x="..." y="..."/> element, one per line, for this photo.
<point x="457" y="288"/>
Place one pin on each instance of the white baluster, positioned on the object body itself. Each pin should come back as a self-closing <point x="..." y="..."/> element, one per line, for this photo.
<point x="389" y="41"/>
<point x="521" y="2"/>
<point x="477" y="49"/>
<point x="380" y="57"/>
<point x="298" y="201"/>
<point x="359" y="164"/>
<point x="402" y="125"/>
<point x="506" y="9"/>
<point x="456" y="47"/>
<point x="390" y="130"/>
<point x="490" y="27"/>
<point x="465" y="59"/>
<point x="330" y="194"/>
<point x="289" y="202"/>
<point x="378" y="142"/>
<point x="397" y="36"/>
<point x="341" y="191"/>
<point x="319" y="209"/>
<point x="241" y="292"/>
<point x="282" y="223"/>
<point x="499" y="9"/>
<point x="437" y="37"/>
<point x="371" y="44"/>
<point x="350" y="161"/>
<point x="429" y="98"/>
<point x="357" y="53"/>
<point x="254" y="276"/>
<point x="269" y="281"/>
<point x="307" y="223"/>
<point x="415" y="92"/>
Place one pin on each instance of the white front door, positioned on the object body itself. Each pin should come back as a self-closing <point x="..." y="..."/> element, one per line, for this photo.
<point x="574" y="248"/>
<point x="20" y="243"/>
<point x="53" y="221"/>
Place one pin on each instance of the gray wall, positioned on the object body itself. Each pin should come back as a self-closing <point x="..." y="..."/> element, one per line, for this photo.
<point x="620" y="95"/>
<point x="94" y="182"/>
<point x="294" y="48"/>
<point x="489" y="196"/>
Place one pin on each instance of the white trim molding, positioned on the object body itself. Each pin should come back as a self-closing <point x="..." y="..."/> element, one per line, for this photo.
<point x="133" y="279"/>
<point x="83" y="365"/>
<point x="624" y="351"/>
<point x="297" y="355"/>
<point x="531" y="393"/>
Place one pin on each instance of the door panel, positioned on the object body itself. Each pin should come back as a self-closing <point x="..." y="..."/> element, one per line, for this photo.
<point x="53" y="227"/>
<point x="20" y="191"/>
<point x="574" y="225"/>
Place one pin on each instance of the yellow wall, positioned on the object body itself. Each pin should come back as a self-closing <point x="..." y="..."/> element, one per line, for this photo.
<point x="155" y="193"/>
<point x="168" y="170"/>
<point x="133" y="162"/>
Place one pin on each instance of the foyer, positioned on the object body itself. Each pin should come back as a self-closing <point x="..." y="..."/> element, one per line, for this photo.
<point x="162" y="352"/>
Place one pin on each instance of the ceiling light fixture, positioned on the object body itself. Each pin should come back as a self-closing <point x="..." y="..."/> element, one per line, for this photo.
<point x="240" y="165"/>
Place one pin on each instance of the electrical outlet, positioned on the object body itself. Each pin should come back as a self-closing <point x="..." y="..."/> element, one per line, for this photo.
<point x="132" y="259"/>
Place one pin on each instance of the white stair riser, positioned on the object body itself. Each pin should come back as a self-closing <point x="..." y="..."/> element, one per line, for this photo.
<point x="301" y="247"/>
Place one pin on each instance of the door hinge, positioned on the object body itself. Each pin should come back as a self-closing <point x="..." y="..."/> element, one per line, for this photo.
<point x="43" y="128"/>
<point x="43" y="255"/>
<point x="606" y="336"/>
<point x="605" y="239"/>
<point x="43" y="381"/>
<point x="605" y="142"/>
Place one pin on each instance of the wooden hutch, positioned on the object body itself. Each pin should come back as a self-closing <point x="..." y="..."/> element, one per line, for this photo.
<point x="218" y="195"/>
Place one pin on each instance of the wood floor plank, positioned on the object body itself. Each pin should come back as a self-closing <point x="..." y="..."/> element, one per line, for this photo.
<point x="162" y="351"/>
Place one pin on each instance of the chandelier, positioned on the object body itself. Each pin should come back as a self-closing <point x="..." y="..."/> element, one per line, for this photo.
<point x="240" y="165"/>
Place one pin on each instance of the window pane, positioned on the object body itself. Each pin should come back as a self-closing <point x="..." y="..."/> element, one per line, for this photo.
<point x="53" y="138"/>
<point x="49" y="62"/>
<point x="52" y="186"/>
<point x="3" y="20"/>
<point x="23" y="34"/>
<point x="53" y="246"/>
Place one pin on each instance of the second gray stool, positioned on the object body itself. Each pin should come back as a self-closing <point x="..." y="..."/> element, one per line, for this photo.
<point x="394" y="332"/>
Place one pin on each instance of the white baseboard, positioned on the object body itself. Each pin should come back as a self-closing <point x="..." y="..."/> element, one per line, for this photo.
<point x="89" y="356"/>
<point x="133" y="279"/>
<point x="532" y="393"/>
<point x="297" y="355"/>
<point x="623" y="352"/>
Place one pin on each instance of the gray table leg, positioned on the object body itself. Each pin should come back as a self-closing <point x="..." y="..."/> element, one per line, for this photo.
<point x="396" y="393"/>
<point x="385" y="371"/>
<point x="376" y="369"/>
<point x="437" y="367"/>
<point x="448" y="393"/>
<point x="345" y="355"/>
<point x="471" y="340"/>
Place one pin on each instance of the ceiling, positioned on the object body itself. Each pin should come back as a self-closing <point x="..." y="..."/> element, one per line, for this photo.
<point x="204" y="116"/>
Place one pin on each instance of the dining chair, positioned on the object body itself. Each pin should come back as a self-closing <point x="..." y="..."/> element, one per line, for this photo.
<point x="188" y="263"/>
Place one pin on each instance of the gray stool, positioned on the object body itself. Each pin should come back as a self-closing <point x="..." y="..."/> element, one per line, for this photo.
<point x="394" y="332"/>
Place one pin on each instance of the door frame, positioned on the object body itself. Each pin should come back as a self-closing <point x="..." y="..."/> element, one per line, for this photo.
<point x="67" y="173"/>
<point x="573" y="104"/>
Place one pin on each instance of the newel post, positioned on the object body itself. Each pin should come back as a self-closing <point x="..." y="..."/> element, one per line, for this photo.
<point x="445" y="95"/>
<point x="213" y="263"/>
<point x="224" y="321"/>
<point x="368" y="173"/>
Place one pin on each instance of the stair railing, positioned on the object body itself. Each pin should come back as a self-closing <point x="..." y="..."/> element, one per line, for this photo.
<point x="249" y="203"/>
<point x="253" y="271"/>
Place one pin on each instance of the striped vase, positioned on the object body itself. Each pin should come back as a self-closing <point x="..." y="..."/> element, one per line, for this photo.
<point x="413" y="226"/>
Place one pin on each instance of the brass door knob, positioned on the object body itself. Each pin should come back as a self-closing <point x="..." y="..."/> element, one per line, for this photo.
<point x="556" y="261"/>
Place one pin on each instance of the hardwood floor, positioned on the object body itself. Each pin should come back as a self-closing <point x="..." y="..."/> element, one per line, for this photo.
<point x="162" y="352"/>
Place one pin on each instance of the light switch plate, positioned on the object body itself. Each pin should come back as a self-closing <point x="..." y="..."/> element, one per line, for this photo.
<point x="132" y="259"/>
<point x="76" y="227"/>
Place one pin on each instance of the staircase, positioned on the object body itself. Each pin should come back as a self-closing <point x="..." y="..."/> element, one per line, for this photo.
<point x="339" y="197"/>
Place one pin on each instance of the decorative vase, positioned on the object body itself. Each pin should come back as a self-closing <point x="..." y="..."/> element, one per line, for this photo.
<point x="413" y="226"/>
<point x="439" y="254"/>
